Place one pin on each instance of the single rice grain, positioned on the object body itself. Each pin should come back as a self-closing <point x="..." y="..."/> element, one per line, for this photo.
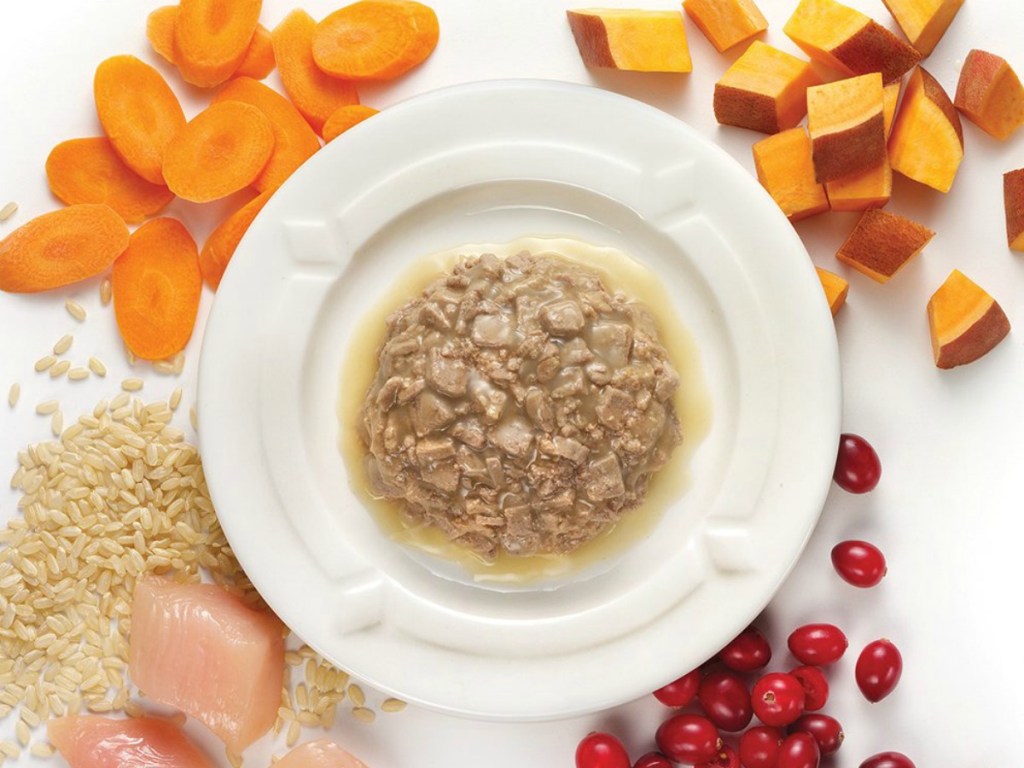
<point x="106" y="291"/>
<point x="63" y="344"/>
<point x="45" y="363"/>
<point x="10" y="749"/>
<point x="57" y="424"/>
<point x="163" y="367"/>
<point x="13" y="394"/>
<point x="363" y="715"/>
<point x="42" y="749"/>
<point x="294" y="731"/>
<point x="96" y="366"/>
<point x="59" y="368"/>
<point x="193" y="418"/>
<point x="78" y="374"/>
<point x="75" y="309"/>
<point x="179" y="363"/>
<point x="47" y="407"/>
<point x="131" y="385"/>
<point x="8" y="210"/>
<point x="392" y="705"/>
<point x="355" y="693"/>
<point x="175" y="399"/>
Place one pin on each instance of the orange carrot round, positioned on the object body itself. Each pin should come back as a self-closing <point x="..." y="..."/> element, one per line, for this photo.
<point x="315" y="94"/>
<point x="294" y="140"/>
<point x="90" y="171"/>
<point x="139" y="113"/>
<point x="259" y="57"/>
<point x="222" y="150"/>
<point x="211" y="38"/>
<point x="221" y="244"/>
<point x="344" y="118"/>
<point x="375" y="39"/>
<point x="61" y="248"/>
<point x="160" y="30"/>
<point x="157" y="286"/>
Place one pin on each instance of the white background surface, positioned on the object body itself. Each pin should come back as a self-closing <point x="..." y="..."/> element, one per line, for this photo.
<point x="947" y="512"/>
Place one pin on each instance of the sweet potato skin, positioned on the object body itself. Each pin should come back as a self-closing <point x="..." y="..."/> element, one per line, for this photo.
<point x="1013" y="200"/>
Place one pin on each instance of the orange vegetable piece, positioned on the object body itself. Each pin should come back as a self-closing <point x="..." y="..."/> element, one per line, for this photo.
<point x="965" y="322"/>
<point x="314" y="93"/>
<point x="139" y="113"/>
<point x="222" y="150"/>
<point x="882" y="243"/>
<point x="160" y="30"/>
<point x="764" y="90"/>
<point x="221" y="244"/>
<point x="924" y="22"/>
<point x="631" y="39"/>
<point x="726" y="22"/>
<point x="990" y="95"/>
<point x="863" y="190"/>
<point x="847" y="125"/>
<point x="375" y="39"/>
<point x="836" y="289"/>
<point x="61" y="248"/>
<point x="90" y="171"/>
<point x="785" y="170"/>
<point x="1013" y="201"/>
<point x="211" y="38"/>
<point x="157" y="286"/>
<point x="890" y="98"/>
<point x="259" y="58"/>
<point x="927" y="139"/>
<point x="344" y="118"/>
<point x="294" y="140"/>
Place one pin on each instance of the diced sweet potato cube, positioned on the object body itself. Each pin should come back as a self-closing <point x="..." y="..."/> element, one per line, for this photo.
<point x="890" y="98"/>
<point x="784" y="168"/>
<point x="836" y="289"/>
<point x="965" y="322"/>
<point x="849" y="41"/>
<point x="927" y="141"/>
<point x="863" y="190"/>
<point x="1013" y="198"/>
<point x="726" y="22"/>
<point x="764" y="90"/>
<point x="635" y="40"/>
<point x="882" y="243"/>
<point x="990" y="94"/>
<point x="847" y="126"/>
<point x="924" y="22"/>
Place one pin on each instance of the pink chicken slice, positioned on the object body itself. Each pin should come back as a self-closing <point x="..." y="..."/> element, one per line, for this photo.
<point x="199" y="648"/>
<point x="322" y="753"/>
<point x="90" y="741"/>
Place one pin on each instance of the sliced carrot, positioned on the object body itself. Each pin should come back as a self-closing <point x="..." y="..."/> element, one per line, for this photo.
<point x="61" y="248"/>
<point x="211" y="38"/>
<point x="157" y="286"/>
<point x="259" y="58"/>
<point x="160" y="30"/>
<point x="294" y="140"/>
<point x="375" y="39"/>
<point x="90" y="171"/>
<point x="139" y="113"/>
<point x="344" y="118"/>
<point x="222" y="150"/>
<point x="221" y="244"/>
<point x="315" y="94"/>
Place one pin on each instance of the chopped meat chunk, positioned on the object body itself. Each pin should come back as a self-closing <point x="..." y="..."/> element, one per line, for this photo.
<point x="447" y="375"/>
<point x="491" y="331"/>
<point x="603" y="479"/>
<point x="513" y="436"/>
<point x="563" y="318"/>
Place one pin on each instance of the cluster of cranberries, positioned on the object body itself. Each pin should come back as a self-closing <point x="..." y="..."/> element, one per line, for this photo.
<point x="719" y="697"/>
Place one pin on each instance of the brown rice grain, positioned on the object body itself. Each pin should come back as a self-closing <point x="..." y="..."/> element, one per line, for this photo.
<point x="175" y="399"/>
<point x="106" y="291"/>
<point x="13" y="394"/>
<point x="178" y="364"/>
<point x="96" y="366"/>
<point x="22" y="733"/>
<point x="392" y="705"/>
<point x="78" y="374"/>
<point x="75" y="309"/>
<point x="59" y="368"/>
<point x="44" y="363"/>
<point x="355" y="693"/>
<point x="193" y="418"/>
<point x="163" y="367"/>
<point x="42" y="749"/>
<point x="294" y="731"/>
<point x="8" y="210"/>
<point x="307" y="718"/>
<point x="131" y="385"/>
<point x="63" y="344"/>
<point x="47" y="407"/>
<point x="57" y="423"/>
<point x="364" y="715"/>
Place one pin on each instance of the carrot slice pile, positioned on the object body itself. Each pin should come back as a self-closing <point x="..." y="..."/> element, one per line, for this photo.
<point x="221" y="244"/>
<point x="160" y="30"/>
<point x="259" y="58"/>
<point x="61" y="247"/>
<point x="157" y="286"/>
<point x="90" y="171"/>
<point x="344" y="118"/>
<point x="375" y="39"/>
<point x="294" y="140"/>
<point x="314" y="93"/>
<point x="221" y="151"/>
<point x="139" y="113"/>
<point x="211" y="38"/>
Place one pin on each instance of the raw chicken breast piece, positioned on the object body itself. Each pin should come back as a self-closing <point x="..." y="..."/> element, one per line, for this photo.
<point x="199" y="648"/>
<point x="90" y="741"/>
<point x="322" y="753"/>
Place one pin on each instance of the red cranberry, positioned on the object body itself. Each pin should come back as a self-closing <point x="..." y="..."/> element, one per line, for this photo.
<point x="778" y="699"/>
<point x="679" y="692"/>
<point x="858" y="469"/>
<point x="653" y="760"/>
<point x="759" y="747"/>
<point x="818" y="644"/>
<point x="826" y="731"/>
<point x="878" y="670"/>
<point x="726" y="700"/>
<point x="799" y="750"/>
<point x="888" y="760"/>
<point x="689" y="739"/>
<point x="815" y="687"/>
<point x="859" y="563"/>
<point x="726" y="758"/>
<point x="748" y="652"/>
<point x="601" y="750"/>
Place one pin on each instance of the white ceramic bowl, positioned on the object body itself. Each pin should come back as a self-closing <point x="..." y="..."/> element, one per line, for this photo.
<point x="493" y="162"/>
